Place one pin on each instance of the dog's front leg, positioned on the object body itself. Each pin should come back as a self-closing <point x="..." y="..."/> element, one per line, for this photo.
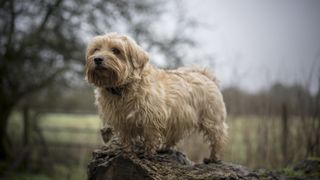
<point x="152" y="141"/>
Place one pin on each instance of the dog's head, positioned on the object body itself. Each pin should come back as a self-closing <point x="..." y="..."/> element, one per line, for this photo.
<point x="113" y="60"/>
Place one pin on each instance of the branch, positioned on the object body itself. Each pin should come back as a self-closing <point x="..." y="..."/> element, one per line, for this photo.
<point x="43" y="83"/>
<point x="50" y="10"/>
<point x="11" y="25"/>
<point x="314" y="65"/>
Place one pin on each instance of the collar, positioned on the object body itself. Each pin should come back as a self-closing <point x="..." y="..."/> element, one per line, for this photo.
<point x="118" y="91"/>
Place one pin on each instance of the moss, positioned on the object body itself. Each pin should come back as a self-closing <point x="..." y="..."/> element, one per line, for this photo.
<point x="305" y="169"/>
<point x="292" y="173"/>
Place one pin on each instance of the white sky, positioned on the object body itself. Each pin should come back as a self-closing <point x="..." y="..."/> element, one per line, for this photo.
<point x="256" y="43"/>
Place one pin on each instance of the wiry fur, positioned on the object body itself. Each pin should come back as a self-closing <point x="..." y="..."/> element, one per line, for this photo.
<point x="156" y="106"/>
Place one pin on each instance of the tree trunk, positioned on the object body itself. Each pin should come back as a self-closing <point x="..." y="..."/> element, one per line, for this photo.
<point x="5" y="149"/>
<point x="26" y="136"/>
<point x="26" y="126"/>
<point x="110" y="162"/>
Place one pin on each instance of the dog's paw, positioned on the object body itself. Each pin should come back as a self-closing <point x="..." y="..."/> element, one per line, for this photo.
<point x="209" y="161"/>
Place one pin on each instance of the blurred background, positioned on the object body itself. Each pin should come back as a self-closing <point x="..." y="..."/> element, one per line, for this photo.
<point x="266" y="55"/>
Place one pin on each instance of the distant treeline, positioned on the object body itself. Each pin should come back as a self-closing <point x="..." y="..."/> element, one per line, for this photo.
<point x="296" y="98"/>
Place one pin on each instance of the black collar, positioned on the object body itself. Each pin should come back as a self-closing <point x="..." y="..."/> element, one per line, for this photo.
<point x="118" y="91"/>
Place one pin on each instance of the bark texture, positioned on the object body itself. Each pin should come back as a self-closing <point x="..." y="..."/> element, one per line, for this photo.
<point x="110" y="162"/>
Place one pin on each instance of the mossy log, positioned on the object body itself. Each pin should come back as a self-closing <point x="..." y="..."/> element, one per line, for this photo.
<point x="110" y="162"/>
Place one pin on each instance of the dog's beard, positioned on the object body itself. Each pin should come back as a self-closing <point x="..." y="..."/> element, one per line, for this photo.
<point x="101" y="77"/>
<point x="106" y="76"/>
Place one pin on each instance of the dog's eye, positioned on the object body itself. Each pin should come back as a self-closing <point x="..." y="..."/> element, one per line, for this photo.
<point x="115" y="51"/>
<point x="96" y="49"/>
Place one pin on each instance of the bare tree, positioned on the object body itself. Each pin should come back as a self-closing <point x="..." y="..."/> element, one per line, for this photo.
<point x="42" y="39"/>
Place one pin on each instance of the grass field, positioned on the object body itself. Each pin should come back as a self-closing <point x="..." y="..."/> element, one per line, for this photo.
<point x="235" y="151"/>
<point x="254" y="142"/>
<point x="72" y="121"/>
<point x="60" y="162"/>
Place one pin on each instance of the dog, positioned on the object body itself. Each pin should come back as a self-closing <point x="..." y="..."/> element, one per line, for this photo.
<point x="158" y="107"/>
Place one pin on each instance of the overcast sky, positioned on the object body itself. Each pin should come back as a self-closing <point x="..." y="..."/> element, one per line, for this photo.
<point x="256" y="43"/>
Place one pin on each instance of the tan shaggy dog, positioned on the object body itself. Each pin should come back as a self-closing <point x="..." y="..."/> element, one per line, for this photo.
<point x="158" y="107"/>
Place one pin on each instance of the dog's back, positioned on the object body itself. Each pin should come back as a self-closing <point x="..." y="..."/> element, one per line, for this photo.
<point x="199" y="70"/>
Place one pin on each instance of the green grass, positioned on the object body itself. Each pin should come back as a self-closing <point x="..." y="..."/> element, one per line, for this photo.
<point x="72" y="121"/>
<point x="254" y="141"/>
<point x="60" y="121"/>
<point x="79" y="157"/>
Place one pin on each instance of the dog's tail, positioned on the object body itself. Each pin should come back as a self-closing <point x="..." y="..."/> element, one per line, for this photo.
<point x="210" y="75"/>
<point x="204" y="72"/>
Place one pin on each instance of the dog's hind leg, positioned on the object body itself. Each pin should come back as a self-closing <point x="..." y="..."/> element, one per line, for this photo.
<point x="214" y="128"/>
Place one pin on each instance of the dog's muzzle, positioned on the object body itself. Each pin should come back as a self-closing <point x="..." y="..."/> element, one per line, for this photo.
<point x="98" y="61"/>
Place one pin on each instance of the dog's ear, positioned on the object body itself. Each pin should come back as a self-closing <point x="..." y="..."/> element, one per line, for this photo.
<point x="136" y="54"/>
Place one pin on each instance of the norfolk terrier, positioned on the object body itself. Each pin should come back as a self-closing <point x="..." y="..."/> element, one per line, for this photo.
<point x="157" y="107"/>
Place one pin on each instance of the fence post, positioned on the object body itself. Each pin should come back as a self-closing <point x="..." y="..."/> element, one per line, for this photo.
<point x="284" y="118"/>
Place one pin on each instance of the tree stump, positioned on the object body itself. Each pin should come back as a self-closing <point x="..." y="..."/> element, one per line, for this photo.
<point x="110" y="162"/>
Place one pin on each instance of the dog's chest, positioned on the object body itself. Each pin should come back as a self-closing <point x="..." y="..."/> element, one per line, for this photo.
<point x="131" y="108"/>
<point x="115" y="107"/>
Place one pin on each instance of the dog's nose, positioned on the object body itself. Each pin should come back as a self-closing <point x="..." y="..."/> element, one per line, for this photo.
<point x="98" y="60"/>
